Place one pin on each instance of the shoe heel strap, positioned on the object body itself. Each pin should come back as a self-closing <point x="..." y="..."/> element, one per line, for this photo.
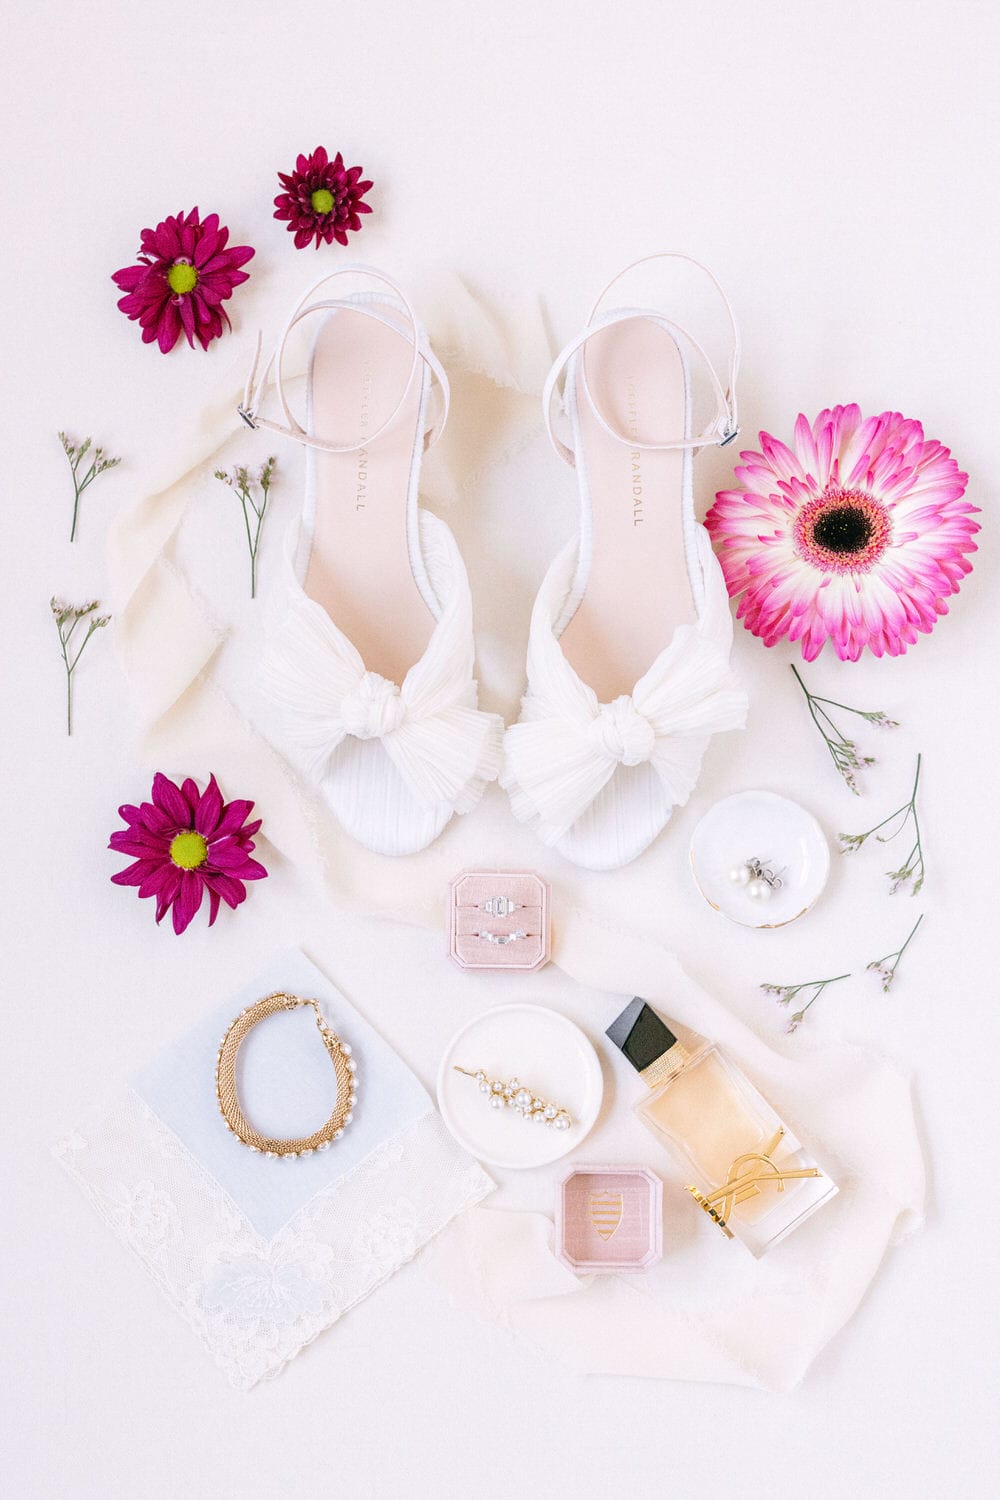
<point x="257" y="379"/>
<point x="725" y="426"/>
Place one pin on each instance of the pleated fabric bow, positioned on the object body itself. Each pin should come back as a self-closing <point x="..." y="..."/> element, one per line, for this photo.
<point x="568" y="746"/>
<point x="321" y="694"/>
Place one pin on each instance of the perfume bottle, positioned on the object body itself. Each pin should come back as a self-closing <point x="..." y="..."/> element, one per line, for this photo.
<point x="748" y="1172"/>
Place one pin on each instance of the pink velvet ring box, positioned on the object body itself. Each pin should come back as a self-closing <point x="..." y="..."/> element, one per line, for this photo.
<point x="609" y="1219"/>
<point x="499" y="920"/>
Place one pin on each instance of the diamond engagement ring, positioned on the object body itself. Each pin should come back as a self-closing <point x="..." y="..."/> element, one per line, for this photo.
<point x="500" y="906"/>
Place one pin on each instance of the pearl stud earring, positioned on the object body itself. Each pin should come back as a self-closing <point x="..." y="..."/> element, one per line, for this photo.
<point x="758" y="880"/>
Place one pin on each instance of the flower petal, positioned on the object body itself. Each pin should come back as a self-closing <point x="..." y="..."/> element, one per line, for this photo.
<point x="232" y="891"/>
<point x="169" y="798"/>
<point x="168" y="891"/>
<point x="137" y="873"/>
<point x="234" y="815"/>
<point x="188" y="900"/>
<point x="209" y="810"/>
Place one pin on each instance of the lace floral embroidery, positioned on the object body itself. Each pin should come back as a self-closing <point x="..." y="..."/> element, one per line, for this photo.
<point x="144" y="1216"/>
<point x="253" y="1301"/>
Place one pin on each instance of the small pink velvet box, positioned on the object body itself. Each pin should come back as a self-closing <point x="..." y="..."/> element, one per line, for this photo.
<point x="499" y="920"/>
<point x="609" y="1219"/>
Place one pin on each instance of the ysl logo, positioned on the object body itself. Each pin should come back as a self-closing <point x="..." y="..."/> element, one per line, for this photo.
<point x="749" y="1174"/>
<point x="606" y="1213"/>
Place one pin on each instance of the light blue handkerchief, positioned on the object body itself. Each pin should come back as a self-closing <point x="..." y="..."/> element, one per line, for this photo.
<point x="260" y="1255"/>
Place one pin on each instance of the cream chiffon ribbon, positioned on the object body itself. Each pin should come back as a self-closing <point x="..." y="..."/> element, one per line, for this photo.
<point x="709" y="1312"/>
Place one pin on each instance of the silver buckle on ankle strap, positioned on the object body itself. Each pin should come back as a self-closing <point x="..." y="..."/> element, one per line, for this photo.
<point x="247" y="416"/>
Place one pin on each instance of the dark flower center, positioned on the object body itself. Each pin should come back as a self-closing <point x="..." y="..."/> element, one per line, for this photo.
<point x="322" y="200"/>
<point x="182" y="277"/>
<point x="842" y="531"/>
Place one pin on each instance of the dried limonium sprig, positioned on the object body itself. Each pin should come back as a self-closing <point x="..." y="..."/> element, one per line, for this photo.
<point x="243" y="482"/>
<point x="843" y="751"/>
<point x="911" y="871"/>
<point x="786" y="993"/>
<point x="68" y="618"/>
<point x="885" y="969"/>
<point x="77" y="454"/>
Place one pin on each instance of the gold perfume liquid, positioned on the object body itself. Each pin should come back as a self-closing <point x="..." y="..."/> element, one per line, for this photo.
<point x="746" y="1169"/>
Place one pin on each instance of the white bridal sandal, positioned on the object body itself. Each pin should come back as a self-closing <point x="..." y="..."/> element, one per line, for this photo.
<point x="628" y="656"/>
<point x="369" y="669"/>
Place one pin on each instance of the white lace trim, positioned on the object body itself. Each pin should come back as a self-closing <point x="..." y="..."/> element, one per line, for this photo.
<point x="256" y="1302"/>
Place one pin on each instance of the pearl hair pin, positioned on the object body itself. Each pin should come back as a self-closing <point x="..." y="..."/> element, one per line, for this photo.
<point x="757" y="879"/>
<point x="512" y="1094"/>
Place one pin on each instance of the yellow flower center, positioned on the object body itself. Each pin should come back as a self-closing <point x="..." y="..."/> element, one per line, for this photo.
<point x="188" y="850"/>
<point x="183" y="277"/>
<point x="322" y="200"/>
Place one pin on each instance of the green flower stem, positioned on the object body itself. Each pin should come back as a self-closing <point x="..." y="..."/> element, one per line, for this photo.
<point x="907" y="807"/>
<point x="912" y="867"/>
<point x="63" y="643"/>
<point x="842" y="751"/>
<point x="252" y="542"/>
<point x="240" y="481"/>
<point x="820" y="985"/>
<point x="878" y="962"/>
<point x="99" y="463"/>
<point x="72" y="665"/>
<point x="67" y="618"/>
<point x="786" y="993"/>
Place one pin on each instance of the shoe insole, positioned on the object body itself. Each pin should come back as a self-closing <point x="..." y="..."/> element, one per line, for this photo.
<point x="359" y="566"/>
<point x="637" y="591"/>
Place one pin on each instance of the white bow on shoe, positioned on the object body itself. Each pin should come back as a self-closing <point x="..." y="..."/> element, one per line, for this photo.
<point x="393" y="761"/>
<point x="599" y="780"/>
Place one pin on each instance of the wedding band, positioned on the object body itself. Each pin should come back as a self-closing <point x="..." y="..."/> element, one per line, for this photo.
<point x="501" y="939"/>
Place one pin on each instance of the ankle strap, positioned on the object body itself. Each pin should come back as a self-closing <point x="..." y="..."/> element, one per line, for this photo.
<point x="256" y="381"/>
<point x="725" y="425"/>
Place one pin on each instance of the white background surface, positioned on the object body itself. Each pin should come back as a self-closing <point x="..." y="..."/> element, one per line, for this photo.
<point x="836" y="164"/>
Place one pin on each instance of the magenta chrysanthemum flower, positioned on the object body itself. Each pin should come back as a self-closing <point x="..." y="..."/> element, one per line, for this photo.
<point x="857" y="534"/>
<point x="185" y="843"/>
<point x="185" y="272"/>
<point x="322" y="199"/>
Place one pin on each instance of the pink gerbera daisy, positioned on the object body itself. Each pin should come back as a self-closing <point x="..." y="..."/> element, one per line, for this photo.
<point x="322" y="199"/>
<point x="185" y="271"/>
<point x="857" y="534"/>
<point x="185" y="843"/>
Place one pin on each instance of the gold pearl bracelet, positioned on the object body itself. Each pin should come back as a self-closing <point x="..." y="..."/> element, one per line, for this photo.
<point x="225" y="1081"/>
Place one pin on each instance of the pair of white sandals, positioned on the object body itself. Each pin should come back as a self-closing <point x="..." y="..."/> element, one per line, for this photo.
<point x="628" y="660"/>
